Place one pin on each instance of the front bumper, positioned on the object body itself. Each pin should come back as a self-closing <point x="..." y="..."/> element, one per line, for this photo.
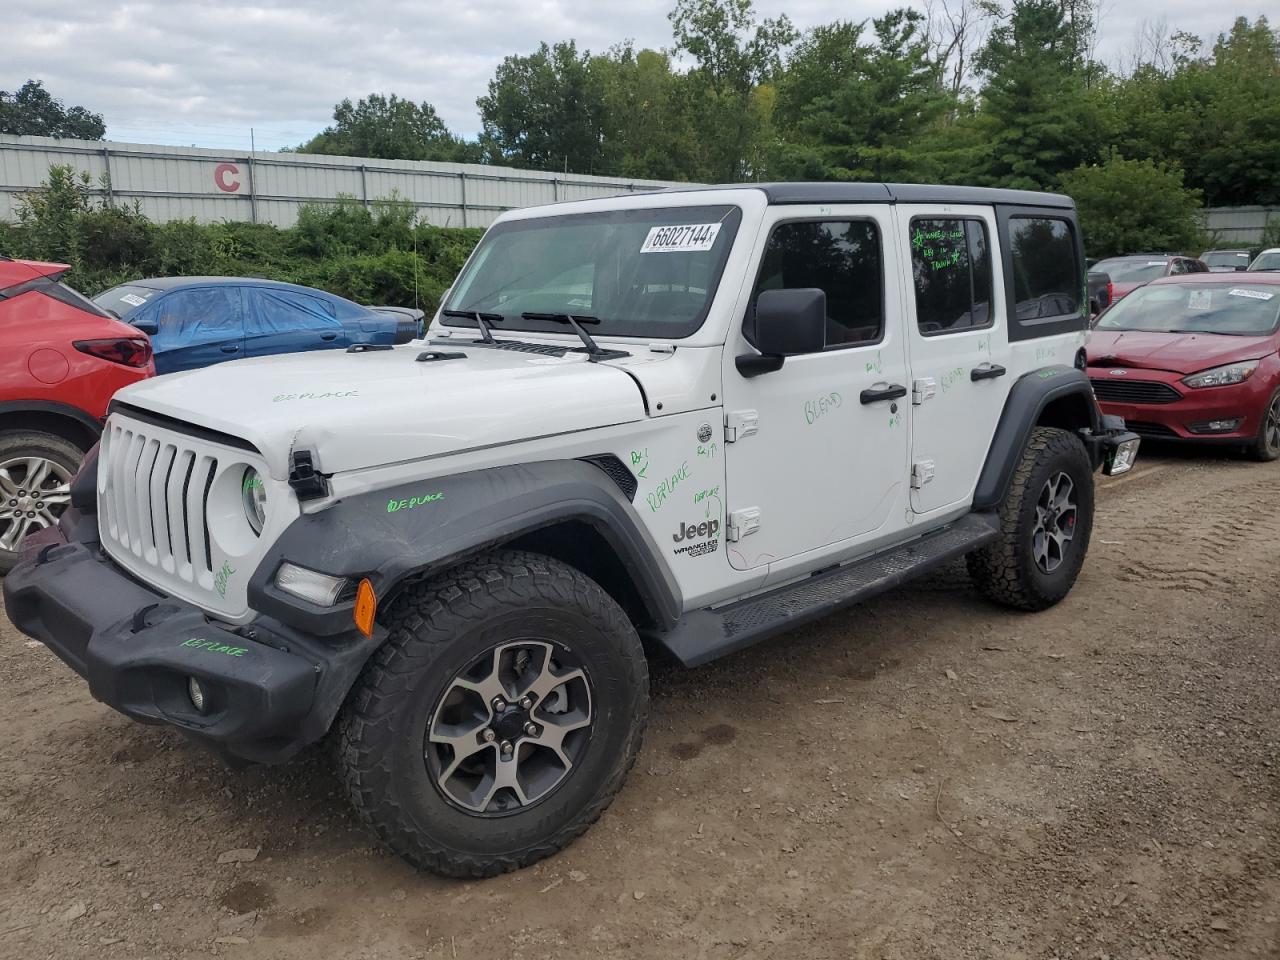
<point x="1188" y="416"/>
<point x="270" y="690"/>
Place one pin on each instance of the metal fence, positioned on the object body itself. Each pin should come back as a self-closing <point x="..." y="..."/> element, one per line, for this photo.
<point x="1239" y="226"/>
<point x="177" y="183"/>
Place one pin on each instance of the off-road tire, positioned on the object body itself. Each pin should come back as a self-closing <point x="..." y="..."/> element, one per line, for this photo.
<point x="436" y="627"/>
<point x="1005" y="570"/>
<point x="35" y="443"/>
<point x="1264" y="447"/>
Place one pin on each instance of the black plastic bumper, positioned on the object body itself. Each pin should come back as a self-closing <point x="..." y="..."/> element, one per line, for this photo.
<point x="268" y="691"/>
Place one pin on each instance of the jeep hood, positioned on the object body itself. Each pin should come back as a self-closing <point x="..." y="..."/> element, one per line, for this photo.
<point x="358" y="410"/>
<point x="1175" y="352"/>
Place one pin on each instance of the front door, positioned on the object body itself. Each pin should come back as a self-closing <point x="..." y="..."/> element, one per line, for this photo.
<point x="959" y="348"/>
<point x="818" y="455"/>
<point x="198" y="326"/>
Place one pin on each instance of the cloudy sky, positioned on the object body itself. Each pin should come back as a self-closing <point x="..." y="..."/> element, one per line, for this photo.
<point x="204" y="73"/>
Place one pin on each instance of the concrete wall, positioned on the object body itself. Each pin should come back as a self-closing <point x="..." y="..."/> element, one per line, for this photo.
<point x="176" y="183"/>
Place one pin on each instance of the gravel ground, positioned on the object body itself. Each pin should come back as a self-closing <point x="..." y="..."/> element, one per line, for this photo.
<point x="923" y="776"/>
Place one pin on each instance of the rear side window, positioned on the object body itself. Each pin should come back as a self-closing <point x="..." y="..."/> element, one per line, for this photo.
<point x="1045" y="278"/>
<point x="840" y="257"/>
<point x="52" y="288"/>
<point x="951" y="267"/>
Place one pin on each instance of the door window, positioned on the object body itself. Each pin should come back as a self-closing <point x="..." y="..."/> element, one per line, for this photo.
<point x="951" y="267"/>
<point x="1046" y="276"/>
<point x="843" y="259"/>
<point x="287" y="311"/>
<point x="199" y="315"/>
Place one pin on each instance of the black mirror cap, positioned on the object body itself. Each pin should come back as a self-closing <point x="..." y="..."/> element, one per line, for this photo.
<point x="786" y="322"/>
<point x="149" y="327"/>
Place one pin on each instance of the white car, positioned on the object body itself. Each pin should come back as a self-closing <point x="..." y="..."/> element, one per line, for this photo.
<point x="1267" y="260"/>
<point x="681" y="421"/>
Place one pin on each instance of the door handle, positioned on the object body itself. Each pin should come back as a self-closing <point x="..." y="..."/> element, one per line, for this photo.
<point x="230" y="348"/>
<point x="885" y="391"/>
<point x="327" y="337"/>
<point x="986" y="371"/>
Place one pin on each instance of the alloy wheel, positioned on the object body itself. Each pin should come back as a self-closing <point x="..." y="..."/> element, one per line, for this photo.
<point x="1271" y="431"/>
<point x="509" y="728"/>
<point x="1055" y="522"/>
<point x="33" y="493"/>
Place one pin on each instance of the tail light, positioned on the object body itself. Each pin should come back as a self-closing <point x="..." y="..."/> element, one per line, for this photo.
<point x="1111" y="293"/>
<point x="130" y="351"/>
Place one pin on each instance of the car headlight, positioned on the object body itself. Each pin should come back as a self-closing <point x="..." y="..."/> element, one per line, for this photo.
<point x="1222" y="376"/>
<point x="254" y="494"/>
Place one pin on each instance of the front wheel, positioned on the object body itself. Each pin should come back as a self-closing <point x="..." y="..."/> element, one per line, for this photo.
<point x="499" y="718"/>
<point x="1267" y="444"/>
<point x="1045" y="522"/>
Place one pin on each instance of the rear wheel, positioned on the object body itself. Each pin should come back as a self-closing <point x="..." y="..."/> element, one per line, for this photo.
<point x="35" y="486"/>
<point x="499" y="718"/>
<point x="1045" y="523"/>
<point x="1266" y="446"/>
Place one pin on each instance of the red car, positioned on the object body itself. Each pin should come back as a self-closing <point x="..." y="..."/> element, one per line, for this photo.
<point x="61" y="359"/>
<point x="1129" y="273"/>
<point x="1194" y="357"/>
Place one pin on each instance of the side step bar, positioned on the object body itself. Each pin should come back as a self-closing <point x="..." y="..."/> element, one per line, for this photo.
<point x="703" y="635"/>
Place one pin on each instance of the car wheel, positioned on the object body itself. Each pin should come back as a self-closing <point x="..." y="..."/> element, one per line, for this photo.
<point x="35" y="486"/>
<point x="1267" y="444"/>
<point x="1045" y="523"/>
<point x="498" y="719"/>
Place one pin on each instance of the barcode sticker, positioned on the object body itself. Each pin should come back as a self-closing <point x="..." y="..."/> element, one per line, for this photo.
<point x="685" y="238"/>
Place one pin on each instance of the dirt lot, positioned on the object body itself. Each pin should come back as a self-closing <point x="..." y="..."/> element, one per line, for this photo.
<point x="923" y="776"/>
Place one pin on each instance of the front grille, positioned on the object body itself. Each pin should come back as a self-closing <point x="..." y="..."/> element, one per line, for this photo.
<point x="153" y="498"/>
<point x="1124" y="390"/>
<point x="1155" y="430"/>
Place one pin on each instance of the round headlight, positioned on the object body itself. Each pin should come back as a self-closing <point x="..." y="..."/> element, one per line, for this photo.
<point x="254" y="494"/>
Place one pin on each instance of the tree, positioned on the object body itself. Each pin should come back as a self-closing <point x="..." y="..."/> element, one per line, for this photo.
<point x="646" y="130"/>
<point x="31" y="111"/>
<point x="390" y="128"/>
<point x="545" y="111"/>
<point x="735" y="59"/>
<point x="1128" y="205"/>
<point x="1036" y="115"/>
<point x="857" y="110"/>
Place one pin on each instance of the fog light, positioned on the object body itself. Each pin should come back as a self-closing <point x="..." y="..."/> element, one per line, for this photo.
<point x="318" y="588"/>
<point x="196" y="691"/>
<point x="1122" y="457"/>
<point x="1215" y="426"/>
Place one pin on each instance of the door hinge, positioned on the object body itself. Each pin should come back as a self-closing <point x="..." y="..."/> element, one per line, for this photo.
<point x="742" y="523"/>
<point x="739" y="424"/>
<point x="923" y="389"/>
<point x="921" y="473"/>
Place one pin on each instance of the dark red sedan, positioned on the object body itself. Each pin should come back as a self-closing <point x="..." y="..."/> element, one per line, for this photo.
<point x="1194" y="357"/>
<point x="61" y="359"/>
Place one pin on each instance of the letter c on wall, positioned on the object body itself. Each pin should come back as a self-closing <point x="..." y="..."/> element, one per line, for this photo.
<point x="221" y="177"/>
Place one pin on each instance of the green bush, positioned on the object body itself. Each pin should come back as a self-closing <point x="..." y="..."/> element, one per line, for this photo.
<point x="380" y="255"/>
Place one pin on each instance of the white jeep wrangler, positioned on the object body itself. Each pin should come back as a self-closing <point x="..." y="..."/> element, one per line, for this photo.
<point x="681" y="421"/>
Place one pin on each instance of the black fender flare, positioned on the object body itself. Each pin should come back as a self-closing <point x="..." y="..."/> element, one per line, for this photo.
<point x="1068" y="391"/>
<point x="91" y="426"/>
<point x="418" y="528"/>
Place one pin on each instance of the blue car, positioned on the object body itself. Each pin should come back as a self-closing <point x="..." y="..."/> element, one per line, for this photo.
<point x="197" y="321"/>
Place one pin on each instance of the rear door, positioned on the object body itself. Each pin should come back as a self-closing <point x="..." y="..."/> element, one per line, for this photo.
<point x="958" y="346"/>
<point x="198" y="326"/>
<point x="289" y="321"/>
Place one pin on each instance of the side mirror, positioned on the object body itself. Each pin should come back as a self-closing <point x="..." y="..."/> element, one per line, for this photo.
<point x="1241" y="269"/>
<point x="784" y="323"/>
<point x="149" y="327"/>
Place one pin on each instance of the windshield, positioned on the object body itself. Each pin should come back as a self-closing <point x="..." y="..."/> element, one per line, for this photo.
<point x="124" y="299"/>
<point x="1226" y="258"/>
<point x="1267" y="261"/>
<point x="641" y="273"/>
<point x="1237" y="309"/>
<point x="1129" y="270"/>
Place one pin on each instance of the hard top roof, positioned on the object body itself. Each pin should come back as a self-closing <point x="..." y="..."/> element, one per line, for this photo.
<point x="797" y="193"/>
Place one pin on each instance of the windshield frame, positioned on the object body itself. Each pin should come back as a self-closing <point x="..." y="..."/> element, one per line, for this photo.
<point x="1202" y="281"/>
<point x="728" y="215"/>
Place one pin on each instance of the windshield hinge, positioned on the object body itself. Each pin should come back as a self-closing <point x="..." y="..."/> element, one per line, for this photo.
<point x="739" y="424"/>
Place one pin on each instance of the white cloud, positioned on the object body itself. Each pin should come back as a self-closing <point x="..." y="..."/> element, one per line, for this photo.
<point x="202" y="73"/>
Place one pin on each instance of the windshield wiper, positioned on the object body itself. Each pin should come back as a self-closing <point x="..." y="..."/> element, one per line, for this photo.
<point x="575" y="321"/>
<point x="479" y="318"/>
